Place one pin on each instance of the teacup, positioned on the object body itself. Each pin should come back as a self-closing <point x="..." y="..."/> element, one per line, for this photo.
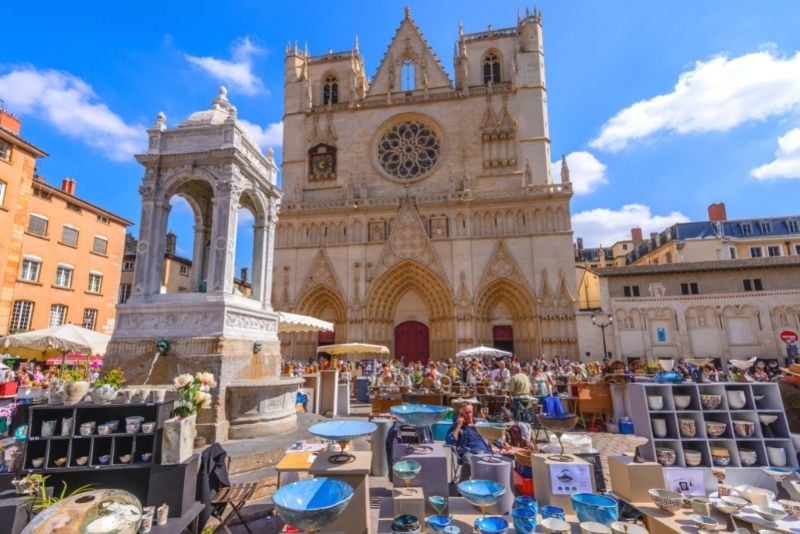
<point x="777" y="456"/>
<point x="132" y="428"/>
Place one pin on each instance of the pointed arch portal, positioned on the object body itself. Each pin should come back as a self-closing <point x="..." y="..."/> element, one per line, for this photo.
<point x="412" y="342"/>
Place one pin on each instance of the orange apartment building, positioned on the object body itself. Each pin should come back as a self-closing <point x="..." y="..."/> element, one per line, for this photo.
<point x="63" y="261"/>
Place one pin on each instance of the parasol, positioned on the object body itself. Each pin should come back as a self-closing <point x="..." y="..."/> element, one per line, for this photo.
<point x="354" y="348"/>
<point x="293" y="322"/>
<point x="476" y="352"/>
<point x="54" y="341"/>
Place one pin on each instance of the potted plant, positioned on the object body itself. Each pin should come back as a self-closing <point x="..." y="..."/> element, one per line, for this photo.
<point x="107" y="386"/>
<point x="193" y="395"/>
<point x="76" y="382"/>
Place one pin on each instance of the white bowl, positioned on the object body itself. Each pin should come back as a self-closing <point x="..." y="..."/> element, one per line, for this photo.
<point x="767" y="419"/>
<point x="655" y="402"/>
<point x="693" y="458"/>
<point x="736" y="399"/>
<point x="682" y="401"/>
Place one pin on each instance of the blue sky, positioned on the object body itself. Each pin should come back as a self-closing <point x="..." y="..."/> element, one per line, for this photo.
<point x="661" y="107"/>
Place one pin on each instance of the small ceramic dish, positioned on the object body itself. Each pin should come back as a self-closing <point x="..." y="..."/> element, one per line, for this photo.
<point x="104" y="459"/>
<point x="104" y="430"/>
<point x="704" y="522"/>
<point x="38" y="462"/>
<point x="146" y="456"/>
<point x="792" y="508"/>
<point x="768" y="513"/>
<point x="125" y="459"/>
<point x="61" y="462"/>
<point x="148" y="427"/>
<point x="82" y="460"/>
<point x="113" y="425"/>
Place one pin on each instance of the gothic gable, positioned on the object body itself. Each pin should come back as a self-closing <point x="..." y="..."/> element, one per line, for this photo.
<point x="322" y="273"/>
<point x="502" y="265"/>
<point x="409" y="44"/>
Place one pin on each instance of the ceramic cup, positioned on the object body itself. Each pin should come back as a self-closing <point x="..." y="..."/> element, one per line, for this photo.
<point x="133" y="428"/>
<point x="688" y="427"/>
<point x="49" y="428"/>
<point x="147" y="519"/>
<point x="701" y="506"/>
<point x="556" y="512"/>
<point x="655" y="402"/>
<point x="725" y="490"/>
<point x="159" y="395"/>
<point x="87" y="429"/>
<point x="736" y="399"/>
<point x="659" y="427"/>
<point x="129" y="394"/>
<point x="66" y="426"/>
<point x="777" y="456"/>
<point x="759" y="497"/>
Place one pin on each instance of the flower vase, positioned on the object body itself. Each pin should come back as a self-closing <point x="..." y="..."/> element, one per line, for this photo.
<point x="55" y="392"/>
<point x="177" y="443"/>
<point x="104" y="394"/>
<point x="75" y="391"/>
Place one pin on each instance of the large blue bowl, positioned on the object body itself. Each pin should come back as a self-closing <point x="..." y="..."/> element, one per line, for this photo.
<point x="595" y="507"/>
<point x="342" y="430"/>
<point x="419" y="414"/>
<point x="437" y="523"/>
<point x="524" y="520"/>
<point x="481" y="492"/>
<point x="312" y="504"/>
<point x="491" y="525"/>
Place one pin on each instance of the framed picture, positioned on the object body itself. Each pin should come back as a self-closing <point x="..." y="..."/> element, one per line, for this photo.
<point x="685" y="481"/>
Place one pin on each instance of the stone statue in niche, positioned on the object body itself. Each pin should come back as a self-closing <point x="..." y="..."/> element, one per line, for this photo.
<point x="657" y="290"/>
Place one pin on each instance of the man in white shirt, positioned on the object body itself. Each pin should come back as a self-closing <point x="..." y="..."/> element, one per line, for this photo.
<point x="501" y="374"/>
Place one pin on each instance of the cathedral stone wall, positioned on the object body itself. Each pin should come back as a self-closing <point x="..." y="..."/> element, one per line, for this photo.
<point x="419" y="212"/>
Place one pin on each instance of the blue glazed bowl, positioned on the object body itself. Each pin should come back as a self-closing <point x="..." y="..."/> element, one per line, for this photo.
<point x="406" y="524"/>
<point x="481" y="492"/>
<point x="594" y="507"/>
<point x="438" y="502"/>
<point x="406" y="469"/>
<point x="523" y="501"/>
<point x="549" y="510"/>
<point x="312" y="504"/>
<point x="437" y="523"/>
<point x="419" y="414"/>
<point x="524" y="520"/>
<point x="342" y="430"/>
<point x="491" y="525"/>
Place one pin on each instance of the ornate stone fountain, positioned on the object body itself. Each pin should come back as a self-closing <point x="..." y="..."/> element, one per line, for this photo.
<point x="214" y="163"/>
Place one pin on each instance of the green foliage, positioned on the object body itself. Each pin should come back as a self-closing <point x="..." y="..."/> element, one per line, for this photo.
<point x="41" y="500"/>
<point x="113" y="377"/>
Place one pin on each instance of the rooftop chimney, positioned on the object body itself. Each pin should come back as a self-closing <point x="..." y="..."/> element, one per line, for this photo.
<point x="172" y="243"/>
<point x="717" y="212"/>
<point x="8" y="121"/>
<point x="245" y="270"/>
<point x="636" y="234"/>
<point x="68" y="186"/>
<point x="580" y="243"/>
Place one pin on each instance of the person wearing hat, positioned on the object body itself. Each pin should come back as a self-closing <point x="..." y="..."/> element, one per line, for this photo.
<point x="789" y="386"/>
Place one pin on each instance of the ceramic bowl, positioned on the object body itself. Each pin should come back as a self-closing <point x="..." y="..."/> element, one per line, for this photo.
<point x="735" y="502"/>
<point x="491" y="525"/>
<point x="693" y="458"/>
<point x="721" y="461"/>
<point x="777" y="456"/>
<point x="406" y="524"/>
<point x="744" y="429"/>
<point x="592" y="527"/>
<point x="148" y="427"/>
<point x="595" y="507"/>
<point x="83" y="460"/>
<point x="665" y="456"/>
<point x="655" y="402"/>
<point x="104" y="430"/>
<point x="682" y="401"/>
<point x="768" y="513"/>
<point x="132" y="428"/>
<point x="125" y="459"/>
<point x="524" y="520"/>
<point x="554" y="525"/>
<point x="38" y="462"/>
<point x="715" y="429"/>
<point x="755" y="495"/>
<point x="767" y="419"/>
<point x="688" y="427"/>
<point x="113" y="424"/>
<point x="704" y="522"/>
<point x="792" y="508"/>
<point x="134" y="419"/>
<point x="622" y="527"/>
<point x="419" y="414"/>
<point x="145" y="456"/>
<point x="104" y="459"/>
<point x="342" y="431"/>
<point x="748" y="457"/>
<point x="406" y="470"/>
<point x="524" y="501"/>
<point x="778" y="474"/>
<point x="758" y="398"/>
<point x="437" y="523"/>
<point x="736" y="399"/>
<point x="710" y="402"/>
<point x="481" y="492"/>
<point x="87" y="429"/>
<point x="669" y="501"/>
<point x="61" y="462"/>
<point x="314" y="503"/>
<point x="549" y="510"/>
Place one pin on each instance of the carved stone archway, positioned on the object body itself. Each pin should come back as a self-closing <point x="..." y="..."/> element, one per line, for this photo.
<point x="522" y="306"/>
<point x="389" y="289"/>
<point x="315" y="303"/>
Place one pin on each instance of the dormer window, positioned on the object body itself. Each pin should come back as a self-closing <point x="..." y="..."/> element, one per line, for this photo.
<point x="330" y="91"/>
<point x="491" y="68"/>
<point x="408" y="80"/>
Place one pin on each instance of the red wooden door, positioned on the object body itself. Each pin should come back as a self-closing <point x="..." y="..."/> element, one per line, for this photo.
<point x="325" y="338"/>
<point x="503" y="337"/>
<point x="411" y="341"/>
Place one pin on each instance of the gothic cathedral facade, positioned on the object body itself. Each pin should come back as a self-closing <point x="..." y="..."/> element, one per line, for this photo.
<point x="419" y="213"/>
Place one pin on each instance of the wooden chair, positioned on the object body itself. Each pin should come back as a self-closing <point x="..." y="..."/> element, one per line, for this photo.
<point x="235" y="495"/>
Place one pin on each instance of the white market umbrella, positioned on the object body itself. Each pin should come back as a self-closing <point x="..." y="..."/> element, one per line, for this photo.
<point x="293" y="322"/>
<point x="55" y="340"/>
<point x="476" y="352"/>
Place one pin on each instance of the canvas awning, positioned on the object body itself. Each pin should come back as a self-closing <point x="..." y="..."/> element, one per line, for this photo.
<point x="354" y="348"/>
<point x="54" y="341"/>
<point x="477" y="352"/>
<point x="293" y="322"/>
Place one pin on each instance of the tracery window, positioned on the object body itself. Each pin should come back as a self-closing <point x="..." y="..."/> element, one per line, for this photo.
<point x="408" y="80"/>
<point x="330" y="92"/>
<point x="491" y="68"/>
<point x="409" y="150"/>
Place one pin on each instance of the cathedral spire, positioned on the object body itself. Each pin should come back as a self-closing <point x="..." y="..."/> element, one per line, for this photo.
<point x="408" y="11"/>
<point x="355" y="45"/>
<point x="564" y="170"/>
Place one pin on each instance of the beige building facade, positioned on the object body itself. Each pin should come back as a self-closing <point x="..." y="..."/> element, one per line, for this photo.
<point x="712" y="309"/>
<point x="419" y="212"/>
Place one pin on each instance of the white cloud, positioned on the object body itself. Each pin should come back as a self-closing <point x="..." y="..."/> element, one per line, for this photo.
<point x="787" y="159"/>
<point x="271" y="136"/>
<point x="715" y="95"/>
<point x="585" y="172"/>
<point x="606" y="226"/>
<point x="236" y="72"/>
<point x="71" y="106"/>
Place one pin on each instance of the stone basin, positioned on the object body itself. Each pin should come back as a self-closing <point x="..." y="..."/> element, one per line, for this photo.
<point x="263" y="407"/>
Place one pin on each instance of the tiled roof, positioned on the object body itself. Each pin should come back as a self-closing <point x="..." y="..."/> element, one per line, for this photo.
<point x="695" y="266"/>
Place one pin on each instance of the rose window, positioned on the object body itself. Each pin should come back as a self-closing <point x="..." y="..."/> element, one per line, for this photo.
<point x="409" y="150"/>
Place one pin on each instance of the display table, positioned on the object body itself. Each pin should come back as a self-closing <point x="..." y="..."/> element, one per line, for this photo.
<point x="464" y="516"/>
<point x="292" y="465"/>
<point x="497" y="468"/>
<point x="383" y="404"/>
<point x="355" y="519"/>
<point x="434" y="474"/>
<point x="542" y="480"/>
<point x="436" y="399"/>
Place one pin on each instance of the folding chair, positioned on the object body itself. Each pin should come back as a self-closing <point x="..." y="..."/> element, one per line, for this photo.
<point x="236" y="496"/>
<point x="455" y="465"/>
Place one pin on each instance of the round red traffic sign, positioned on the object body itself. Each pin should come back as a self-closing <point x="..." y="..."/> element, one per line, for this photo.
<point x="788" y="336"/>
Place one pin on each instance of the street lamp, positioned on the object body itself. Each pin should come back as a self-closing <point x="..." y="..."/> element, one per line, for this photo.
<point x="602" y="324"/>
